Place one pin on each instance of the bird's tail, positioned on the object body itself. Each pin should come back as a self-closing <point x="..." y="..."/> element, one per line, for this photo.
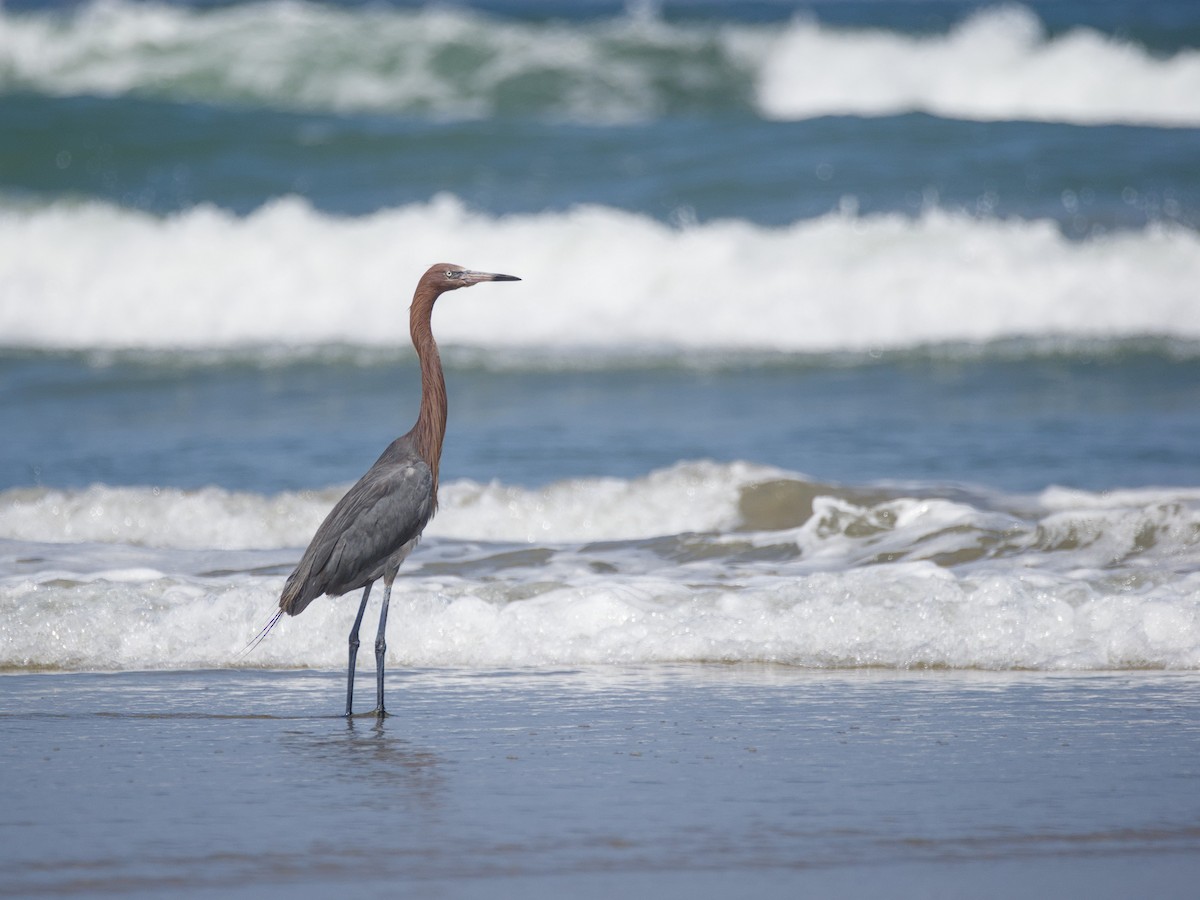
<point x="298" y="592"/>
<point x="261" y="636"/>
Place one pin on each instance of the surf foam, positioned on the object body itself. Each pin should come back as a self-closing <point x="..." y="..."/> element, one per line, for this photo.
<point x="692" y="496"/>
<point x="435" y="60"/>
<point x="870" y="575"/>
<point x="593" y="277"/>
<point x="996" y="64"/>
<point x="899" y="615"/>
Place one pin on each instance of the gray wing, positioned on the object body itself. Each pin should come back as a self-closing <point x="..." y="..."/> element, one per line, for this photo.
<point x="387" y="509"/>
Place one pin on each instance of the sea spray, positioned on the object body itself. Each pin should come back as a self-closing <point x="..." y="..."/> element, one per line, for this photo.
<point x="290" y="275"/>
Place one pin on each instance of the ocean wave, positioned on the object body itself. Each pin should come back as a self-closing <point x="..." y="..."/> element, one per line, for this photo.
<point x="734" y="505"/>
<point x="447" y="62"/>
<point x="690" y="497"/>
<point x="93" y="276"/>
<point x="699" y="562"/>
<point x="998" y="64"/>
<point x="436" y="60"/>
<point x="897" y="617"/>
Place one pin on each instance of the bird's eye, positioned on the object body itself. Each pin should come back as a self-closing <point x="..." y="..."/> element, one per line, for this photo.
<point x="452" y="273"/>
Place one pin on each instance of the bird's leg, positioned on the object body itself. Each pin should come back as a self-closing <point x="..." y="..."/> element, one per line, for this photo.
<point x="381" y="647"/>
<point x="354" y="651"/>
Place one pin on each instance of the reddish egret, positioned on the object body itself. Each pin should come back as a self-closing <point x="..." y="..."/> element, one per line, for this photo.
<point x="375" y="526"/>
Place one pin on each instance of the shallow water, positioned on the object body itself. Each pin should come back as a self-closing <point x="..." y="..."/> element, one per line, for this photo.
<point x="677" y="779"/>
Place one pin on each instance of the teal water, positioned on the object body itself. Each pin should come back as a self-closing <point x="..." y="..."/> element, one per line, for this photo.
<point x="167" y="156"/>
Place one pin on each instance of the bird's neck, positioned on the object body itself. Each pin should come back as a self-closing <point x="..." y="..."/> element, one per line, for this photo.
<point x="430" y="429"/>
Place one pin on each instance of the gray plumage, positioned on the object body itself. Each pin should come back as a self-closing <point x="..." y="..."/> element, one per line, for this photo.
<point x="370" y="531"/>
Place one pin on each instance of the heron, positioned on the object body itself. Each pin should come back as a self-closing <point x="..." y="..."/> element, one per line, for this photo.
<point x="374" y="527"/>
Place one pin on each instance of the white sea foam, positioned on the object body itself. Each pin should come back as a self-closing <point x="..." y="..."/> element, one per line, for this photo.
<point x="897" y="615"/>
<point x="594" y="277"/>
<point x="696" y="496"/>
<point x="438" y="60"/>
<point x="284" y="53"/>
<point x="162" y="517"/>
<point x="865" y="576"/>
<point x="998" y="64"/>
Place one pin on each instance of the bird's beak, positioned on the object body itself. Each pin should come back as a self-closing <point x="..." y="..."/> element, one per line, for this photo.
<point x="476" y="277"/>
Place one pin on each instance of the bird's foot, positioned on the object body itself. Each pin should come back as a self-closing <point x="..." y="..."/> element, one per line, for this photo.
<point x="373" y="714"/>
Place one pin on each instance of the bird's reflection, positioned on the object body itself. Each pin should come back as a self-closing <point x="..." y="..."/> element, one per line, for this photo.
<point x="370" y="753"/>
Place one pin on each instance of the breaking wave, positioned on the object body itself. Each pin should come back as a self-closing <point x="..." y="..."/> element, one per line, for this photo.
<point x="594" y="277"/>
<point x="440" y="61"/>
<point x="698" y="562"/>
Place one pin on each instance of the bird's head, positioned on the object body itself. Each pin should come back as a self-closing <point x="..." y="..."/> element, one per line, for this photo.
<point x="449" y="277"/>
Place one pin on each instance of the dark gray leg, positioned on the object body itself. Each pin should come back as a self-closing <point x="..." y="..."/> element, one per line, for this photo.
<point x="381" y="648"/>
<point x="354" y="651"/>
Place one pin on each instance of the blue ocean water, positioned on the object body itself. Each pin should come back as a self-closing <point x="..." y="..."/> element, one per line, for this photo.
<point x="1115" y="418"/>
<point x="810" y="290"/>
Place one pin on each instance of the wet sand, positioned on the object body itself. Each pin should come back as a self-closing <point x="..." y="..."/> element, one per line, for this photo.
<point x="689" y="781"/>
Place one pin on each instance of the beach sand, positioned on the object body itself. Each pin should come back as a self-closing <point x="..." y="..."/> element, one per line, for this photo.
<point x="672" y="781"/>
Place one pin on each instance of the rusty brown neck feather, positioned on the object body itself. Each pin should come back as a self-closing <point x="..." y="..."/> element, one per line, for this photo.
<point x="430" y="429"/>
